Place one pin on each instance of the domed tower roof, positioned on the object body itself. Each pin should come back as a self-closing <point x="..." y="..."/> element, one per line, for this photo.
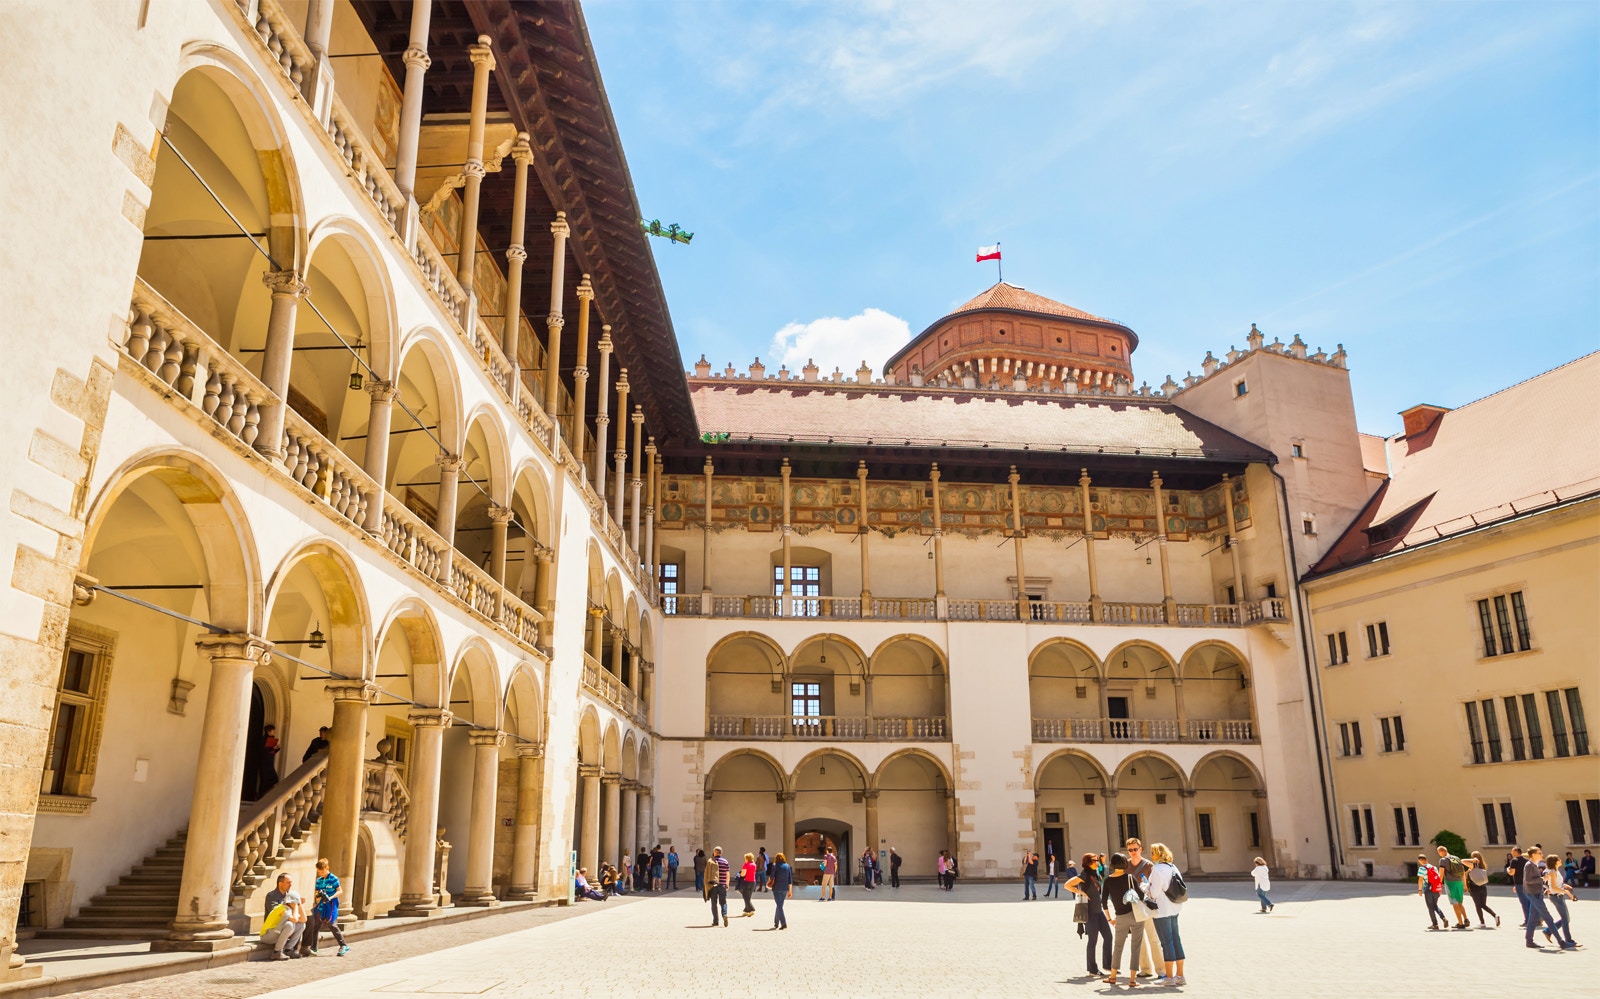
<point x="1007" y="335"/>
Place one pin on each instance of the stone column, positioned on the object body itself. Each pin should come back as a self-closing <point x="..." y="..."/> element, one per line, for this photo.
<point x="618" y="643"/>
<point x="553" y="322"/>
<point x="416" y="876"/>
<point x="580" y="370"/>
<point x="341" y="794"/>
<point x="479" y="889"/>
<point x="1023" y="611"/>
<point x="541" y="592"/>
<point x="629" y="822"/>
<point x="786" y="834"/>
<point x="610" y="819"/>
<point x="287" y="290"/>
<point x="317" y="85"/>
<point x="405" y="170"/>
<point x="444" y="519"/>
<point x="1191" y="855"/>
<point x="1096" y="610"/>
<point x="871" y="798"/>
<point x="202" y="920"/>
<point x="1269" y="846"/>
<point x="636" y="482"/>
<point x="621" y="453"/>
<point x="597" y="635"/>
<point x="705" y="550"/>
<point x="655" y="540"/>
<point x="952" y="825"/>
<point x="866" y="564"/>
<point x="1233" y="544"/>
<point x="499" y="520"/>
<point x="376" y="461"/>
<point x="1110" y="799"/>
<point x="940" y="601"/>
<point x="647" y="816"/>
<point x="1169" y="606"/>
<point x="589" y="832"/>
<point x="525" y="833"/>
<point x="602" y="416"/>
<point x="482" y="56"/>
<point x="786" y="607"/>
<point x="516" y="255"/>
<point x="649" y="551"/>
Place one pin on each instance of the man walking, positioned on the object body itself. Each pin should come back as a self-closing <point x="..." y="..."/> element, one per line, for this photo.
<point x="1514" y="872"/>
<point x="1030" y="877"/>
<point x="717" y="885"/>
<point x="1532" y="887"/>
<point x="830" y="870"/>
<point x="1455" y="885"/>
<point x="894" y="868"/>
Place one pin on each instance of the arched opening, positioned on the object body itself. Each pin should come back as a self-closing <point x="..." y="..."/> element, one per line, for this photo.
<point x="482" y="488"/>
<point x="743" y="810"/>
<point x="745" y="689"/>
<point x="475" y="703"/>
<point x="527" y="535"/>
<point x="1147" y="797"/>
<point x="410" y="671"/>
<point x="1071" y="812"/>
<point x="425" y="417"/>
<point x="1141" y="701"/>
<point x="826" y="689"/>
<point x="829" y="800"/>
<point x="1216" y="695"/>
<point x="914" y="809"/>
<point x="1064" y="693"/>
<point x="586" y="793"/>
<point x="907" y="690"/>
<point x="1230" y="826"/>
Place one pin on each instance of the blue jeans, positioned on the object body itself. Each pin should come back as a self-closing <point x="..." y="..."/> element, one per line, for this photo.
<point x="1053" y="887"/>
<point x="1537" y="914"/>
<point x="1266" y="903"/>
<point x="700" y="882"/>
<point x="1167" y="933"/>
<point x="1562" y="927"/>
<point x="778" y="918"/>
<point x="1029" y="886"/>
<point x="1522" y="900"/>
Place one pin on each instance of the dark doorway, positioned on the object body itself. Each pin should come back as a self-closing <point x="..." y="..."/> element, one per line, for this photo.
<point x="1117" y="707"/>
<point x="811" y="841"/>
<point x="1117" y="715"/>
<point x="1055" y="845"/>
<point x="253" y="745"/>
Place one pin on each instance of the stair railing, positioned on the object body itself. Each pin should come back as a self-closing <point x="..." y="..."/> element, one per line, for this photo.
<point x="271" y="827"/>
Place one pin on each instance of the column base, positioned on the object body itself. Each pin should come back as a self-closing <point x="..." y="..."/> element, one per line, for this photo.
<point x="208" y="946"/>
<point x="521" y="893"/>
<point x="477" y="900"/>
<point x="13" y="967"/>
<point x="427" y="908"/>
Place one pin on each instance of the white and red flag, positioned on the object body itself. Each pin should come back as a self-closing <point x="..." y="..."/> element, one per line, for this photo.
<point x="988" y="253"/>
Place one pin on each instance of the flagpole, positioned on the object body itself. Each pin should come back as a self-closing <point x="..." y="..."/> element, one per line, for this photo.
<point x="999" y="268"/>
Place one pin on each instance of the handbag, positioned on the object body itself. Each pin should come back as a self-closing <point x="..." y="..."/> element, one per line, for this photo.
<point x="1080" y="912"/>
<point x="1177" y="891"/>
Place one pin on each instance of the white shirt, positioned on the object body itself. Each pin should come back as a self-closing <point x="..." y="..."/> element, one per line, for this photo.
<point x="1160" y="878"/>
<point x="1261" y="874"/>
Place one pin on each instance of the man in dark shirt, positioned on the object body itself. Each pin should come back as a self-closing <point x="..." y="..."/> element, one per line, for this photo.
<point x="1533" y="888"/>
<point x="894" y="867"/>
<point x="318" y="745"/>
<point x="1030" y="877"/>
<point x="1586" y="868"/>
<point x="1514" y="872"/>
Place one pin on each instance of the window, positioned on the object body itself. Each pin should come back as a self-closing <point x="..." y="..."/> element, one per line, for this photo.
<point x="1208" y="830"/>
<point x="1255" y="828"/>
<point x="1349" y="738"/>
<point x="1575" y="820"/>
<point x="1377" y="639"/>
<point x="1530" y="718"/>
<point x="1491" y="824"/>
<point x="1474" y="732"/>
<point x="1128" y="826"/>
<point x="1514" y="729"/>
<point x="1271" y="591"/>
<point x="1508" y="820"/>
<point x="1394" y="734"/>
<point x="1580" y="733"/>
<point x="1499" y="822"/>
<point x="1297" y="450"/>
<point x="1241" y="388"/>
<point x="1308" y="526"/>
<point x="804" y="581"/>
<point x="74" y="739"/>
<point x="1576" y="811"/>
<point x="1407" y="831"/>
<point x="1491" y="731"/>
<point x="1501" y="616"/>
<point x="1363" y="831"/>
<point x="669" y="574"/>
<point x="1558" y="723"/>
<point x="1338" y="649"/>
<point x="805" y="700"/>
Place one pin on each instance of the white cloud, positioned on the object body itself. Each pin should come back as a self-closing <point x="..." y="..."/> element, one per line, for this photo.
<point x="871" y="336"/>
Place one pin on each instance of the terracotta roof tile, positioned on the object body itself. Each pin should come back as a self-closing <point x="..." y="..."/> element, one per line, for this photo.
<point x="1009" y="296"/>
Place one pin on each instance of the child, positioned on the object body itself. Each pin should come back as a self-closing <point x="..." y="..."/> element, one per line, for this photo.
<point x="1263" y="880"/>
<point x="1429" y="884"/>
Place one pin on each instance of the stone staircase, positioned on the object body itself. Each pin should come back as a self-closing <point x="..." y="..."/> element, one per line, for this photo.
<point x="140" y="906"/>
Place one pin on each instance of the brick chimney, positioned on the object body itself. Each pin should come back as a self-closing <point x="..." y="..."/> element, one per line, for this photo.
<point x="1419" y="419"/>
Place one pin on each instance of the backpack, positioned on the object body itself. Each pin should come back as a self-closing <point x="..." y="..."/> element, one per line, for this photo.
<point x="1177" y="891"/>
<point x="1454" y="867"/>
<point x="1435" y="883"/>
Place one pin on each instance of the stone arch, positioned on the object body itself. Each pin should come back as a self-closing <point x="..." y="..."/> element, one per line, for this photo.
<point x="524" y="707"/>
<point x="425" y="421"/>
<point x="484" y="483"/>
<point x="412" y="623"/>
<point x="1150" y="791"/>
<point x="343" y="598"/>
<point x="1075" y="754"/>
<point x="611" y="748"/>
<point x="1119" y="778"/>
<point x="780" y="776"/>
<point x="475" y="685"/>
<point x="1069" y="803"/>
<point x="630" y="757"/>
<point x="743" y="790"/>
<point x="1216" y="680"/>
<point x="922" y="754"/>
<point x="744" y="681"/>
<point x="1142" y="652"/>
<point x="910" y="691"/>
<point x="1066" y="687"/>
<point x="913" y="805"/>
<point x="832" y="670"/>
<point x="589" y="737"/>
<point x="1141" y="692"/>
<point x="1243" y="761"/>
<point x="823" y="754"/>
<point x="1230" y="809"/>
<point x="382" y="327"/>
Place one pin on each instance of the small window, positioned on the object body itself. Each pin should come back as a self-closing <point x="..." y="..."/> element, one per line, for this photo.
<point x="1241" y="388"/>
<point x="1514" y="729"/>
<point x="1363" y="828"/>
<point x="1350" y="738"/>
<point x="1208" y="831"/>
<point x="1255" y="829"/>
<point x="1394" y="734"/>
<point x="1297" y="450"/>
<point x="1503" y="624"/>
<point x="1475" y="732"/>
<point x="1271" y="591"/>
<point x="1580" y="731"/>
<point x="1499" y="822"/>
<point x="1128" y="826"/>
<point x="1308" y="526"/>
<point x="1338" y="649"/>
<point x="73" y="748"/>
<point x="805" y="583"/>
<point x="668" y="575"/>
<point x="1377" y="640"/>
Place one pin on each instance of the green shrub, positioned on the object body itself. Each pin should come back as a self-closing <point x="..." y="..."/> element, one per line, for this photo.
<point x="1450" y="841"/>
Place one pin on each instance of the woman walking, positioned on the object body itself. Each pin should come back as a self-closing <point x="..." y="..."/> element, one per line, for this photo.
<point x="700" y="871"/>
<point x="1478" y="887"/>
<point x="1122" y="891"/>
<point x="1166" y="911"/>
<point x="782" y="887"/>
<point x="1263" y="879"/>
<point x="1096" y="926"/>
<point x="747" y="883"/>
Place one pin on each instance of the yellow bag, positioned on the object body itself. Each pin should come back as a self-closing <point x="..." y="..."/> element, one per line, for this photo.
<point x="273" y="918"/>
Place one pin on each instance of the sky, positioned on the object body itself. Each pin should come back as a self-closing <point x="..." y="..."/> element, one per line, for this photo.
<point x="1417" y="181"/>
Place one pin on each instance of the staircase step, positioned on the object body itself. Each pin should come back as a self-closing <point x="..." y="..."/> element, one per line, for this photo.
<point x="89" y="933"/>
<point x="114" y="922"/>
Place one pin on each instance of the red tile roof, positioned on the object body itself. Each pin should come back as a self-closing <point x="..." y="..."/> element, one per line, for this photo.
<point x="844" y="415"/>
<point x="1526" y="447"/>
<point x="1009" y="296"/>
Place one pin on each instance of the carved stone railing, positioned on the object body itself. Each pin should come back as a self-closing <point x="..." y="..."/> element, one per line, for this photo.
<point x="1236" y="730"/>
<point x="366" y="167"/>
<point x="926" y="609"/>
<point x="271" y="828"/>
<point x="325" y="471"/>
<point x="404" y="533"/>
<point x="383" y="791"/>
<point x="855" y="728"/>
<point x="983" y="610"/>
<point x="438" y="276"/>
<point x="1073" y="613"/>
<point x="905" y="608"/>
<point x="282" y="39"/>
<point x="483" y="343"/>
<point x="1124" y="613"/>
<point x="474" y="587"/>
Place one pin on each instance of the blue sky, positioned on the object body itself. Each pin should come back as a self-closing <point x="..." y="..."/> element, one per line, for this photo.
<point x="1420" y="182"/>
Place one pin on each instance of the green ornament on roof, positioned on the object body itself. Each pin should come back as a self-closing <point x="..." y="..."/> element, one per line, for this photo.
<point x="715" y="437"/>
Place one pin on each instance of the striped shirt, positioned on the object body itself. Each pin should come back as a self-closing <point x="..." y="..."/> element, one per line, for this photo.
<point x="722" y="870"/>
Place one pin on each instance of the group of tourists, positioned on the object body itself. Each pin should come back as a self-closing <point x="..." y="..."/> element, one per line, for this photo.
<point x="1541" y="883"/>
<point x="1128" y="902"/>
<point x="718" y="877"/>
<point x="291" y="927"/>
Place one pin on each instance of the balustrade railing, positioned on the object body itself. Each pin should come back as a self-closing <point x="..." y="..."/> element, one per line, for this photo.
<point x="1122" y="613"/>
<point x="383" y="790"/>
<point x="270" y="828"/>
<point x="605" y="685"/>
<point x="926" y="609"/>
<point x="1143" y="730"/>
<point x="841" y="727"/>
<point x="282" y="39"/>
<point x="1073" y="613"/>
<point x="983" y="610"/>
<point x="325" y="471"/>
<point x="366" y="167"/>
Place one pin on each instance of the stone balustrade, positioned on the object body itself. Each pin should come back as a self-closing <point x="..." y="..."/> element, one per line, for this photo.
<point x="365" y="167"/>
<point x="1234" y="730"/>
<point x="926" y="609"/>
<point x="270" y="828"/>
<point x="325" y="471"/>
<point x="278" y="33"/>
<point x="858" y="728"/>
<point x="383" y="791"/>
<point x="604" y="684"/>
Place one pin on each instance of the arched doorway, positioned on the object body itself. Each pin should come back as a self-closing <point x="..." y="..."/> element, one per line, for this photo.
<point x="1148" y="800"/>
<point x="914" y="809"/>
<point x="812" y="839"/>
<point x="744" y="810"/>
<point x="1071" y="810"/>
<point x="830" y="789"/>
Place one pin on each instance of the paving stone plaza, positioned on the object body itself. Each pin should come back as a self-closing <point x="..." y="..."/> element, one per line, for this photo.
<point x="1323" y="939"/>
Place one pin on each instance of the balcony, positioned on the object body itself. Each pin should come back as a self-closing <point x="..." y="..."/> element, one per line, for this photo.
<point x="603" y="684"/>
<point x="1231" y="730"/>
<point x="837" y="728"/>
<point x="765" y="606"/>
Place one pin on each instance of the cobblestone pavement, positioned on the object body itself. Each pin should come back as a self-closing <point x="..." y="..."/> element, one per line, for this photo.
<point x="1323" y="939"/>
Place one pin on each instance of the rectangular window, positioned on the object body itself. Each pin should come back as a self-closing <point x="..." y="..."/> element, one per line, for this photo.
<point x="1491" y="823"/>
<point x="1240" y="389"/>
<point x="73" y="741"/>
<point x="1255" y="828"/>
<point x="805" y="581"/>
<point x="1377" y="639"/>
<point x="1520" y="614"/>
<point x="1372" y="828"/>
<point x="1487" y="624"/>
<point x="1592" y="806"/>
<point x="1308" y="526"/>
<point x="1394" y="734"/>
<point x="1399" y="826"/>
<point x="1502" y="617"/>
<point x="1530" y="718"/>
<point x="805" y="701"/>
<point x="1575" y="820"/>
<point x="1388" y="741"/>
<point x="1491" y="730"/>
<point x="1355" y="736"/>
<point x="1474" y="732"/>
<point x="669" y="578"/>
<point x="1355" y="827"/>
<point x="1514" y="729"/>
<point x="1508" y="821"/>
<point x="1297" y="450"/>
<point x="1399" y="735"/>
<point x="1349" y="738"/>
<point x="1580" y="733"/>
<point x="1411" y="817"/>
<point x="1208" y="832"/>
<point x="1558" y="722"/>
<point x="1338" y="649"/>
<point x="1128" y="826"/>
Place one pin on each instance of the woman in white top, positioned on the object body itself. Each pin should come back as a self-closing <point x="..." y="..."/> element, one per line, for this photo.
<point x="1478" y="887"/>
<point x="1166" y="911"/>
<point x="1263" y="879"/>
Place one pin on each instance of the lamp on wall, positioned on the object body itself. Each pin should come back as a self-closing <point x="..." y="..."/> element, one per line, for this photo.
<point x="316" y="639"/>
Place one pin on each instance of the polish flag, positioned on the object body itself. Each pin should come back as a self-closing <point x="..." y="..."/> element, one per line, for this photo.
<point x="988" y="253"/>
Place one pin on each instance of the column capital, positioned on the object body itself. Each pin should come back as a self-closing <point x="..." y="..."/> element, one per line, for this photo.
<point x="522" y="150"/>
<point x="482" y="54"/>
<point x="474" y="168"/>
<point x="1186" y="793"/>
<point x="500" y="515"/>
<point x="638" y="414"/>
<point x="870" y="795"/>
<point x="516" y="254"/>
<point x="650" y="448"/>
<point x="708" y="468"/>
<point x="351" y="690"/>
<point x="610" y="778"/>
<point x="479" y="737"/>
<point x="246" y="648"/>
<point x="416" y="57"/>
<point x="1155" y="482"/>
<point x="448" y="462"/>
<point x="543" y="553"/>
<point x="585" y="290"/>
<point x="282" y="283"/>
<point x="1012" y="477"/>
<point x="588" y="770"/>
<point x="430" y="718"/>
<point x="530" y="750"/>
<point x="581" y="371"/>
<point x="605" y="338"/>
<point x="554" y="321"/>
<point x="785" y="795"/>
<point x="382" y="391"/>
<point x="861" y="469"/>
<point x="1258" y="793"/>
<point x="622" y="382"/>
<point x="933" y="472"/>
<point x="1110" y="793"/>
<point x="559" y="228"/>
<point x="1083" y="477"/>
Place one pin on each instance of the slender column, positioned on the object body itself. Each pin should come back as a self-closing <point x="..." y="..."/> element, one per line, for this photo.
<point x="499" y="522"/>
<point x="1110" y="798"/>
<point x="1096" y="610"/>
<point x="602" y="416"/>
<point x="866" y="564"/>
<point x="786" y="607"/>
<point x="482" y="56"/>
<point x="479" y="890"/>
<point x="516" y="255"/>
<point x="610" y="824"/>
<point x="871" y="798"/>
<point x="525" y="833"/>
<point x="618" y="642"/>
<point x="376" y="460"/>
<point x="655" y="542"/>
<point x="317" y="86"/>
<point x="629" y="821"/>
<point x="341" y="794"/>
<point x="1233" y="543"/>
<point x="1016" y="541"/>
<point x="444" y="519"/>
<point x="951" y="825"/>
<point x="1169" y="606"/>
<point x="647" y="817"/>
<point x="287" y="290"/>
<point x="786" y="834"/>
<point x="597" y="635"/>
<point x="636" y="483"/>
<point x="705" y="551"/>
<point x="589" y="833"/>
<point x="553" y="323"/>
<point x="416" y="877"/>
<point x="580" y="371"/>
<point x="405" y="170"/>
<point x="621" y="453"/>
<point x="1191" y="856"/>
<point x="649" y="552"/>
<point x="202" y="920"/>
<point x="541" y="592"/>
<point x="1269" y="846"/>
<point x="941" y="602"/>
